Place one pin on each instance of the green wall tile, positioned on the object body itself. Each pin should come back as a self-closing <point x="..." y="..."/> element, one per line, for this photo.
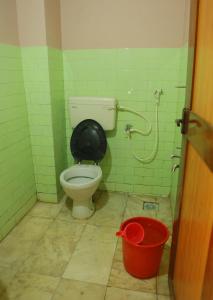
<point x="35" y="125"/>
<point x="131" y="76"/>
<point x="43" y="79"/>
<point x="17" y="182"/>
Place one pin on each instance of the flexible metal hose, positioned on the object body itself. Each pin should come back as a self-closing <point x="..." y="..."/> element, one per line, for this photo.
<point x="153" y="154"/>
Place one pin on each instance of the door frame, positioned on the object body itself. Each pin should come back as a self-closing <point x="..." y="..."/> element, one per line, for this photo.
<point x="193" y="21"/>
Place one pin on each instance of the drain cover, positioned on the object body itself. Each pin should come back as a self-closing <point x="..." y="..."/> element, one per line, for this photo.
<point x="150" y="205"/>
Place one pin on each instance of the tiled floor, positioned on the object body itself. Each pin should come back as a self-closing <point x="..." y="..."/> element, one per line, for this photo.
<point x="51" y="256"/>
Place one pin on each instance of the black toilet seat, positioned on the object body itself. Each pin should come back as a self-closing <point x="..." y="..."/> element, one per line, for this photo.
<point x="88" y="141"/>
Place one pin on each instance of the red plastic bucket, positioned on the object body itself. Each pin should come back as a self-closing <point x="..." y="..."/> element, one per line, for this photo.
<point x="143" y="261"/>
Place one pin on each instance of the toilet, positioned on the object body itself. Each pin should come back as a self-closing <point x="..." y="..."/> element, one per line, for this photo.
<point x="90" y="117"/>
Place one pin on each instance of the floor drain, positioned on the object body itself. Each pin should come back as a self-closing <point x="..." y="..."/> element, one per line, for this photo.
<point x="150" y="205"/>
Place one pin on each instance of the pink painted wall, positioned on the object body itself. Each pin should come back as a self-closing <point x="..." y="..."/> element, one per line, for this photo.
<point x="53" y="23"/>
<point x="8" y="22"/>
<point x="95" y="23"/>
<point x="39" y="22"/>
<point x="31" y="22"/>
<point x="123" y="23"/>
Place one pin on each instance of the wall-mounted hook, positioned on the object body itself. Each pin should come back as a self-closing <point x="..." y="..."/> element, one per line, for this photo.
<point x="174" y="156"/>
<point x="175" y="167"/>
<point x="127" y="130"/>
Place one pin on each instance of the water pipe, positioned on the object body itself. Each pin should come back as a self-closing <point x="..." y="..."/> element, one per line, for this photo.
<point x="124" y="108"/>
<point x="149" y="158"/>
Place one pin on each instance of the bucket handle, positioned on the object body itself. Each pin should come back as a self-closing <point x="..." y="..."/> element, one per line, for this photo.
<point x="120" y="233"/>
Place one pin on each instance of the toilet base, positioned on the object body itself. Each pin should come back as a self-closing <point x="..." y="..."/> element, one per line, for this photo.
<point x="83" y="209"/>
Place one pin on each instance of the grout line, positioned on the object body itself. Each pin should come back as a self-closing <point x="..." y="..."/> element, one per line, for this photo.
<point x="76" y="243"/>
<point x="105" y="292"/>
<point x="122" y="216"/>
<point x="124" y="210"/>
<point x="116" y="244"/>
<point x="125" y="207"/>
<point x="139" y="291"/>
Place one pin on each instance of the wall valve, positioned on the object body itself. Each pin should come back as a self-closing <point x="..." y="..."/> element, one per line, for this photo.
<point x="128" y="127"/>
<point x="127" y="130"/>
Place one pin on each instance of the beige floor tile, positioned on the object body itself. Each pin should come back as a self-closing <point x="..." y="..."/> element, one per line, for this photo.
<point x="164" y="266"/>
<point x="162" y="285"/>
<point x="65" y="213"/>
<point x="54" y="250"/>
<point x="92" y="258"/>
<point x="14" y="252"/>
<point x="164" y="214"/>
<point x="69" y="230"/>
<point x="17" y="245"/>
<point x="109" y="209"/>
<point x="77" y="290"/>
<point x="31" y="287"/>
<point x="30" y="228"/>
<point x="134" y="207"/>
<point x="120" y="278"/>
<point x="162" y="278"/>
<point x="99" y="235"/>
<point x="46" y="210"/>
<point x="164" y="204"/>
<point x="162" y="297"/>
<point x="122" y="294"/>
<point x="6" y="276"/>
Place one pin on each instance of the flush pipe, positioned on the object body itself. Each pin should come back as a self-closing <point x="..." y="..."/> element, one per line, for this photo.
<point x="151" y="157"/>
<point x="132" y="130"/>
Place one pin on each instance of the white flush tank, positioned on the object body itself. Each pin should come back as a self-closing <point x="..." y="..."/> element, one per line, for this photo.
<point x="102" y="110"/>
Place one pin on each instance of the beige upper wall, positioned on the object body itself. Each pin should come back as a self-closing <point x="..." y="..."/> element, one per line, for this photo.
<point x="8" y="22"/>
<point x="95" y="23"/>
<point x="123" y="23"/>
<point x="53" y="23"/>
<point x="39" y="22"/>
<point x="31" y="22"/>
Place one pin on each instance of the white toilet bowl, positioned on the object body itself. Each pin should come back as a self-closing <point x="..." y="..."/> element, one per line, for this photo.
<point x="79" y="183"/>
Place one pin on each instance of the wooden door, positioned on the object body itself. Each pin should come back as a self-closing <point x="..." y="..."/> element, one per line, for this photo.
<point x="192" y="262"/>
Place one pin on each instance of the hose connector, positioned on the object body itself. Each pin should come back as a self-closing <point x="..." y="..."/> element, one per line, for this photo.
<point x="157" y="94"/>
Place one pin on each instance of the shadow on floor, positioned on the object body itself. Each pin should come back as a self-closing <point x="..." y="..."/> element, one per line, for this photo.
<point x="164" y="266"/>
<point x="100" y="199"/>
<point x="68" y="203"/>
<point x="3" y="292"/>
